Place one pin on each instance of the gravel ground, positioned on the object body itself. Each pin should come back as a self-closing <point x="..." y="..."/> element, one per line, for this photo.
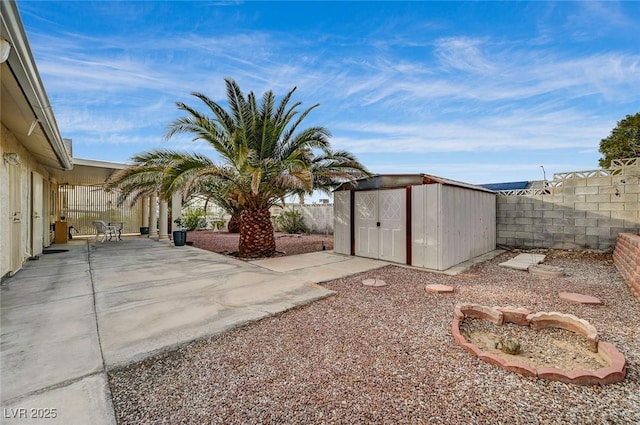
<point x="386" y="355"/>
<point x="286" y="244"/>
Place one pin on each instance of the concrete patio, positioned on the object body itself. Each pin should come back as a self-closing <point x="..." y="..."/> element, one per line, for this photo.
<point x="69" y="317"/>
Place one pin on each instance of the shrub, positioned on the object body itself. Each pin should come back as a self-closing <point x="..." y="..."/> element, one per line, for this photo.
<point x="194" y="219"/>
<point x="292" y="222"/>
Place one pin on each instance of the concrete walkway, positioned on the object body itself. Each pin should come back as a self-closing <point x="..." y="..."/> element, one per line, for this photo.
<point x="69" y="317"/>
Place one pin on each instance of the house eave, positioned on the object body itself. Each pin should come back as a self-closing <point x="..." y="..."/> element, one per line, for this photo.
<point x="22" y="66"/>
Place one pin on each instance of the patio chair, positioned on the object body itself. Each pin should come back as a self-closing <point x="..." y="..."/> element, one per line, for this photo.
<point x="105" y="230"/>
<point x="119" y="225"/>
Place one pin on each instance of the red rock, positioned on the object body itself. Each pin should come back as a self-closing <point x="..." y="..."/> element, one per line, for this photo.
<point x="374" y="282"/>
<point x="437" y="288"/>
<point x="576" y="298"/>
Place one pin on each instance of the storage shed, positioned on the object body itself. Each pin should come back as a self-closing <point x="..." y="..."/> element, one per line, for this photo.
<point x="417" y="219"/>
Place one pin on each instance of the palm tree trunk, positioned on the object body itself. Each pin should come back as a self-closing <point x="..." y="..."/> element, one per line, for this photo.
<point x="234" y="224"/>
<point x="256" y="234"/>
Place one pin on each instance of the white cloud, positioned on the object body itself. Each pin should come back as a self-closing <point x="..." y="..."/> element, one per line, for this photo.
<point x="454" y="92"/>
<point x="519" y="129"/>
<point x="464" y="54"/>
<point x="591" y="19"/>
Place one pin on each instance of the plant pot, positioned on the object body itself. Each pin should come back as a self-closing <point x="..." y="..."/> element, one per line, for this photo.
<point x="180" y="237"/>
<point x="144" y="230"/>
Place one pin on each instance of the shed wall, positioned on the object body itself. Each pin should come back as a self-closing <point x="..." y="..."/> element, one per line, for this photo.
<point x="450" y="225"/>
<point x="342" y="222"/>
<point x="425" y="226"/>
<point x="468" y="221"/>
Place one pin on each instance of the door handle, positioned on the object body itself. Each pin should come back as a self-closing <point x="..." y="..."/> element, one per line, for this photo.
<point x="378" y="224"/>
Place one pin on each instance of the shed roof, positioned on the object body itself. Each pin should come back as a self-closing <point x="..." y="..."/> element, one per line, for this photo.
<point x="391" y="181"/>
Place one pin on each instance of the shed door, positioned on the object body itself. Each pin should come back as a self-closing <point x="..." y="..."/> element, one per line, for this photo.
<point x="380" y="224"/>
<point x="393" y="217"/>
<point x="366" y="224"/>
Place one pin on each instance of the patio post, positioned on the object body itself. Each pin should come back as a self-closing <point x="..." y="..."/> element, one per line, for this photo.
<point x="153" y="224"/>
<point x="164" y="217"/>
<point x="176" y="210"/>
<point x="145" y="211"/>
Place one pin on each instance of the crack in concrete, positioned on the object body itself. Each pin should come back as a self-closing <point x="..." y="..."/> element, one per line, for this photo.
<point x="95" y="315"/>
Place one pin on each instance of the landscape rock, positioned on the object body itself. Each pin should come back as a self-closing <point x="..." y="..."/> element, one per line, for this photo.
<point x="437" y="288"/>
<point x="576" y="298"/>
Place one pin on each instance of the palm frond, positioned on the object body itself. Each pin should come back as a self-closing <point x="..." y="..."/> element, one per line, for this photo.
<point x="265" y="154"/>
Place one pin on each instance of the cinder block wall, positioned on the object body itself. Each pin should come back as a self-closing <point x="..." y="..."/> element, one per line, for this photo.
<point x="626" y="257"/>
<point x="578" y="210"/>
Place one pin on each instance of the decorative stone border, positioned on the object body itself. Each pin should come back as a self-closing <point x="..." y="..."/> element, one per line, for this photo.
<point x="615" y="372"/>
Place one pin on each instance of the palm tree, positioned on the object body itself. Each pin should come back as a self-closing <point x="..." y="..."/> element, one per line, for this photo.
<point x="213" y="189"/>
<point x="164" y="171"/>
<point x="143" y="178"/>
<point x="152" y="173"/>
<point x="264" y="157"/>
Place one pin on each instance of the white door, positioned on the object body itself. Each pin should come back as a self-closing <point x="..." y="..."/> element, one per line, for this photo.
<point x="15" y="219"/>
<point x="392" y="217"/>
<point x="366" y="224"/>
<point x="380" y="224"/>
<point x="37" y="209"/>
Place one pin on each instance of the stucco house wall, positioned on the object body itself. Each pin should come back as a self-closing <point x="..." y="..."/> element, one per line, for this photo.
<point x="31" y="148"/>
<point x="21" y="185"/>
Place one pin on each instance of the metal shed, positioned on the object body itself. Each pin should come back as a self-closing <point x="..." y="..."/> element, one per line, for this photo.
<point x="416" y="219"/>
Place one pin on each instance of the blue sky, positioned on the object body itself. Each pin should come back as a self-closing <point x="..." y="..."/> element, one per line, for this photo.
<point x="479" y="92"/>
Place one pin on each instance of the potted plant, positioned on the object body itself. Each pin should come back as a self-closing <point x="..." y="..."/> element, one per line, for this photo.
<point x="179" y="236"/>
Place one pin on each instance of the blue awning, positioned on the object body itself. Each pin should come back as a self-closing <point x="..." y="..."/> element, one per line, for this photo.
<point x="506" y="186"/>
